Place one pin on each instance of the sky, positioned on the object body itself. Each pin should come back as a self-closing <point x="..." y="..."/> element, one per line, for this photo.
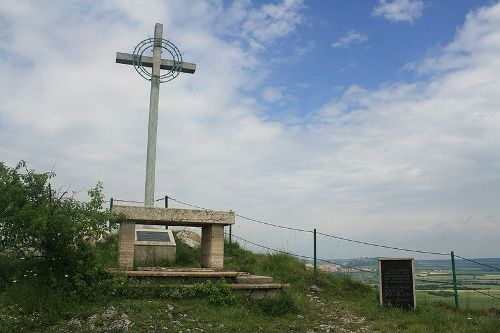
<point x="372" y="120"/>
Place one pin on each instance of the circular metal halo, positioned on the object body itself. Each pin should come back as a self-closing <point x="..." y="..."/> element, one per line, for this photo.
<point x="147" y="72"/>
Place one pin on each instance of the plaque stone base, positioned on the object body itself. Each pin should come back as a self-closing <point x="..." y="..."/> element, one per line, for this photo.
<point x="153" y="246"/>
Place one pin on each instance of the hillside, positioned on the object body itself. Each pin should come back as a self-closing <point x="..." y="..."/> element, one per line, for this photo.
<point x="339" y="305"/>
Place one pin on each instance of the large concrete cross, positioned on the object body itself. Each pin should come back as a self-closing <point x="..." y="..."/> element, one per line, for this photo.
<point x="157" y="64"/>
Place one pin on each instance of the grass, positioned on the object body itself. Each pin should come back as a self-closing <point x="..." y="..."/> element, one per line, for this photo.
<point x="340" y="304"/>
<point x="467" y="300"/>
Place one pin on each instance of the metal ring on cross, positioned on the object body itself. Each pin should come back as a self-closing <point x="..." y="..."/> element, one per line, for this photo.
<point x="147" y="45"/>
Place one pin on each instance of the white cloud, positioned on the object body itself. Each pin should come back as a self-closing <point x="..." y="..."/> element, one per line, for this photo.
<point x="399" y="164"/>
<point x="259" y="26"/>
<point x="426" y="149"/>
<point x="272" y="94"/>
<point x="399" y="10"/>
<point x="352" y="37"/>
<point x="272" y="21"/>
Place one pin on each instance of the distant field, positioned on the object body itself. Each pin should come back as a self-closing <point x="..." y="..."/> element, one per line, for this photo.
<point x="434" y="282"/>
<point x="490" y="277"/>
<point x="466" y="299"/>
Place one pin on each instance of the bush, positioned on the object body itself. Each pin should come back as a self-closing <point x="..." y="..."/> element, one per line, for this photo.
<point x="107" y="251"/>
<point x="51" y="230"/>
<point x="9" y="268"/>
<point x="215" y="293"/>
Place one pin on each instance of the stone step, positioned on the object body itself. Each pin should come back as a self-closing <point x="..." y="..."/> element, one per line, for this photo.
<point x="253" y="279"/>
<point x="256" y="291"/>
<point x="254" y="286"/>
<point x="259" y="290"/>
<point x="186" y="274"/>
<point x="170" y="274"/>
<point x="171" y="269"/>
<point x="243" y="286"/>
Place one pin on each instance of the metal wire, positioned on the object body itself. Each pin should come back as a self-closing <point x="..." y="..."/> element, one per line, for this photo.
<point x="477" y="262"/>
<point x="383" y="246"/>
<point x="478" y="291"/>
<point x="243" y="217"/>
<point x="272" y="224"/>
<point x="431" y="281"/>
<point x="331" y="236"/>
<point x="187" y="204"/>
<point x="319" y="233"/>
<point x="356" y="268"/>
<point x="302" y="256"/>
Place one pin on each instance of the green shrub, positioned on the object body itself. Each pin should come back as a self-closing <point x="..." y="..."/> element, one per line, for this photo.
<point x="107" y="251"/>
<point x="118" y="286"/>
<point x="50" y="230"/>
<point x="10" y="270"/>
<point x="216" y="293"/>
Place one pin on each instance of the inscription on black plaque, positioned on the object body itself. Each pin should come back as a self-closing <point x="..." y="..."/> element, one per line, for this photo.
<point x="152" y="236"/>
<point x="396" y="282"/>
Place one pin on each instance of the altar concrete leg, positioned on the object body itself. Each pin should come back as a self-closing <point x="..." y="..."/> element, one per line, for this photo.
<point x="126" y="243"/>
<point x="212" y="246"/>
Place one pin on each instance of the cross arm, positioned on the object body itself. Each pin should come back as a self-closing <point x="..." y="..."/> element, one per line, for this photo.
<point x="167" y="64"/>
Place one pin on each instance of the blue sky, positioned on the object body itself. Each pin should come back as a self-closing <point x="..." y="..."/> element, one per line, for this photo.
<point x="373" y="120"/>
<point x="325" y="71"/>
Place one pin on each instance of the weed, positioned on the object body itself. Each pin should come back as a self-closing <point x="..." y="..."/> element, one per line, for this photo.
<point x="279" y="305"/>
<point x="186" y="256"/>
<point x="241" y="259"/>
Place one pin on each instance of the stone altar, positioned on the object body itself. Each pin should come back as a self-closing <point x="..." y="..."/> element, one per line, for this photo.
<point x="211" y="222"/>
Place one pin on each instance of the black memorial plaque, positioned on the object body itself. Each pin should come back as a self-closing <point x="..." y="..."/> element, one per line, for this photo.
<point x="152" y="236"/>
<point x="396" y="277"/>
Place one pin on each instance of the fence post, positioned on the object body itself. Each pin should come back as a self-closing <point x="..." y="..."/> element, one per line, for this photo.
<point x="454" y="279"/>
<point x="166" y="206"/>
<point x="315" y="276"/>
<point x="110" y="206"/>
<point x="230" y="249"/>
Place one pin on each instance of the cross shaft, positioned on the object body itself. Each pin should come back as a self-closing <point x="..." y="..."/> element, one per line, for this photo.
<point x="157" y="64"/>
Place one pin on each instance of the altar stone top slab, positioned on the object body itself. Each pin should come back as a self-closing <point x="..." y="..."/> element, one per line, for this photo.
<point x="174" y="216"/>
